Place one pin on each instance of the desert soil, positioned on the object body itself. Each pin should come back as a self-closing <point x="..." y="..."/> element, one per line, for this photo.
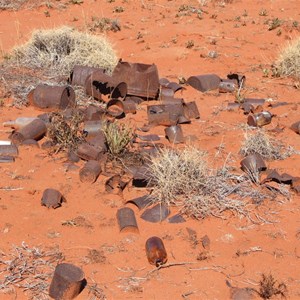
<point x="240" y="250"/>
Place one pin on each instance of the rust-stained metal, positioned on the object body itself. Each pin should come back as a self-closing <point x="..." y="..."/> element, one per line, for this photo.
<point x="115" y="108"/>
<point x="165" y="92"/>
<point x="178" y="218"/>
<point x="52" y="198"/>
<point x="260" y="119"/>
<point x="126" y="220"/>
<point x="9" y="150"/>
<point x="149" y="137"/>
<point x="115" y="185"/>
<point x="141" y="202"/>
<point x="47" y="97"/>
<point x="79" y="74"/>
<point x="165" y="114"/>
<point x="98" y="141"/>
<point x="155" y="251"/>
<point x="67" y="283"/>
<point x="88" y="152"/>
<point x="296" y="127"/>
<point x="30" y="142"/>
<point x="174" y="134"/>
<point x="273" y="175"/>
<point x="205" y="82"/>
<point x="171" y="101"/>
<point x="140" y="176"/>
<point x="93" y="113"/>
<point x="227" y="86"/>
<point x="34" y="130"/>
<point x="129" y="106"/>
<point x="93" y="127"/>
<point x="155" y="214"/>
<point x="6" y="159"/>
<point x="254" y="101"/>
<point x="239" y="78"/>
<point x="190" y="110"/>
<point x="90" y="171"/>
<point x="99" y="83"/>
<point x="253" y="163"/>
<point x="142" y="79"/>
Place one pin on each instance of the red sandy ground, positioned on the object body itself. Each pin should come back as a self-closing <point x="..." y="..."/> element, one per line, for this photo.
<point x="239" y="35"/>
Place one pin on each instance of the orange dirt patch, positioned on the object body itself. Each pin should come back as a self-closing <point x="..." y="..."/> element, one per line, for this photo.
<point x="179" y="38"/>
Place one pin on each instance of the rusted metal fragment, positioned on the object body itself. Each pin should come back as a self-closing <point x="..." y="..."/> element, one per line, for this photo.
<point x="6" y="159"/>
<point x="67" y="283"/>
<point x="273" y="175"/>
<point x="253" y="163"/>
<point x="155" y="214"/>
<point x="155" y="251"/>
<point x="205" y="241"/>
<point x="149" y="137"/>
<point x="142" y="202"/>
<point x="90" y="171"/>
<point x="296" y="127"/>
<point x="227" y="86"/>
<point x="93" y="113"/>
<point x="126" y="220"/>
<point x="178" y="218"/>
<point x="254" y="101"/>
<point x="52" y="198"/>
<point x="99" y="83"/>
<point x="190" y="110"/>
<point x="115" y="185"/>
<point x="260" y="119"/>
<point x="164" y="114"/>
<point x="142" y="79"/>
<point x="9" y="150"/>
<point x="52" y="97"/>
<point x="79" y="74"/>
<point x="88" y="152"/>
<point x="34" y="130"/>
<point x="205" y="82"/>
<point x="174" y="134"/>
<point x="141" y="176"/>
<point x="239" y="78"/>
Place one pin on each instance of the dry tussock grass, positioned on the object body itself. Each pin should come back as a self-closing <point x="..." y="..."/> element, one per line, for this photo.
<point x="288" y="62"/>
<point x="184" y="179"/>
<point x="49" y="56"/>
<point x="265" y="145"/>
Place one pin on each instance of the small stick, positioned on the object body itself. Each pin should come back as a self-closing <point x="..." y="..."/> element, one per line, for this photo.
<point x="170" y="265"/>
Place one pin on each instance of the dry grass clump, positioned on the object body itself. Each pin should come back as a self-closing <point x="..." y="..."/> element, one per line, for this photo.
<point x="269" y="148"/>
<point x="60" y="49"/>
<point x="269" y="287"/>
<point x="11" y="4"/>
<point x="65" y="133"/>
<point x="49" y="56"/>
<point x="28" y="268"/>
<point x="288" y="62"/>
<point x="183" y="178"/>
<point x="118" y="136"/>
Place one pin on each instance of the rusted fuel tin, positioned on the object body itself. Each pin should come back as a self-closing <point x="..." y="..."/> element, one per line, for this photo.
<point x="93" y="112"/>
<point x="156" y="214"/>
<point x="9" y="150"/>
<point x="90" y="172"/>
<point x="296" y="127"/>
<point x="142" y="79"/>
<point x="155" y="251"/>
<point x="49" y="97"/>
<point x="88" y="152"/>
<point x="126" y="220"/>
<point x="227" y="86"/>
<point x="239" y="78"/>
<point x="115" y="108"/>
<point x="67" y="282"/>
<point x="253" y="163"/>
<point x="190" y="110"/>
<point x="205" y="82"/>
<point x="99" y="83"/>
<point x="174" y="134"/>
<point x="260" y="119"/>
<point x="34" y="130"/>
<point x="79" y="74"/>
<point x="52" y="198"/>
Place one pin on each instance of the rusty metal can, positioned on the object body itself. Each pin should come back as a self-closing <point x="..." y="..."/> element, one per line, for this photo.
<point x="260" y="119"/>
<point x="49" y="97"/>
<point x="204" y="82"/>
<point x="126" y="220"/>
<point x="155" y="251"/>
<point x="79" y="74"/>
